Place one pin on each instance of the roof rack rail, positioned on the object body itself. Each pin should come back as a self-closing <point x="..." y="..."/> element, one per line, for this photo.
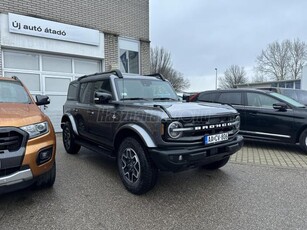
<point x="156" y="75"/>
<point x="115" y="72"/>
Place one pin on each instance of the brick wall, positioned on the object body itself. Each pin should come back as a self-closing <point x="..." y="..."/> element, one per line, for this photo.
<point x="126" y="18"/>
<point x="111" y="52"/>
<point x="145" y="57"/>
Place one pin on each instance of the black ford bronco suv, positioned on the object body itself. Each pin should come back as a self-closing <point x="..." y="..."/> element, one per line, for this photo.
<point x="140" y="121"/>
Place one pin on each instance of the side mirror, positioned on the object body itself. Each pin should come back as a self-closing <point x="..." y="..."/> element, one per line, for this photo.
<point x="42" y="100"/>
<point x="280" y="106"/>
<point x="102" y="97"/>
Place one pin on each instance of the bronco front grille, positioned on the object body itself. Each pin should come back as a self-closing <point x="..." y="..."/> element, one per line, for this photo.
<point x="10" y="140"/>
<point x="195" y="128"/>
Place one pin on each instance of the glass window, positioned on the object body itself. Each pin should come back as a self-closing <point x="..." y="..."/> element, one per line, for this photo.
<point x="57" y="64"/>
<point x="274" y="84"/>
<point x="73" y="91"/>
<point x="289" y="85"/>
<point x="282" y="85"/>
<point x="287" y="99"/>
<point x="260" y="100"/>
<point x="144" y="88"/>
<point x="15" y="60"/>
<point x="54" y="84"/>
<point x="87" y="67"/>
<point x="209" y="97"/>
<point x="13" y="92"/>
<point x="85" y="93"/>
<point x="129" y="56"/>
<point x="30" y="80"/>
<point x="129" y="61"/>
<point x="233" y="98"/>
<point x="302" y="96"/>
<point x="297" y="84"/>
<point x="103" y="86"/>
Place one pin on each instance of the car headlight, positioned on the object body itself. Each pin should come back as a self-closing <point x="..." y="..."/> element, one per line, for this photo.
<point x="174" y="129"/>
<point x="36" y="130"/>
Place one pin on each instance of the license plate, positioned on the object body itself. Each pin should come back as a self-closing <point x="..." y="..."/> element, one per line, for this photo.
<point x="216" y="138"/>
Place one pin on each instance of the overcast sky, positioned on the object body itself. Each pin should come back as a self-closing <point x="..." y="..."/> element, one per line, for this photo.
<point x="206" y="34"/>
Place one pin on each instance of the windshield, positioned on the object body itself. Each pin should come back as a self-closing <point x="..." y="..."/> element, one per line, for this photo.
<point x="13" y="92"/>
<point x="144" y="89"/>
<point x="297" y="94"/>
<point x="287" y="99"/>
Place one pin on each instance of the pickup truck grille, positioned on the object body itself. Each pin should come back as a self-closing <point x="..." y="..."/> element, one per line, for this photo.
<point x="9" y="171"/>
<point x="10" y="140"/>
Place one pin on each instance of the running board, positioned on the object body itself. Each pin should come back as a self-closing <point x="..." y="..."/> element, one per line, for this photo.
<point x="96" y="148"/>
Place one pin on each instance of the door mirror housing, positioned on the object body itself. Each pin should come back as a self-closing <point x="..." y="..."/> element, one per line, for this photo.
<point x="42" y="100"/>
<point x="280" y="106"/>
<point x="102" y="97"/>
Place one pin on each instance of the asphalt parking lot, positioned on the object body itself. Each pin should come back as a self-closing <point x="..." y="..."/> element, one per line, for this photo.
<point x="263" y="187"/>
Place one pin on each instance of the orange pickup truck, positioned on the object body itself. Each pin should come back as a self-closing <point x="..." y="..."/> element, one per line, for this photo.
<point x="27" y="139"/>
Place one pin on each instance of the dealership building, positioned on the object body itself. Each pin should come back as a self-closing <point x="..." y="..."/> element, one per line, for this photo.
<point x="47" y="44"/>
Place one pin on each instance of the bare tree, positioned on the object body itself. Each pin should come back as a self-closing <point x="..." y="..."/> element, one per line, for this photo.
<point x="161" y="62"/>
<point x="232" y="76"/>
<point x="281" y="61"/>
<point x="298" y="56"/>
<point x="274" y="60"/>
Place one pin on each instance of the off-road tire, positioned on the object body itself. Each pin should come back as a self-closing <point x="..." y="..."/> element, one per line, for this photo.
<point x="217" y="164"/>
<point x="69" y="139"/>
<point x="136" y="169"/>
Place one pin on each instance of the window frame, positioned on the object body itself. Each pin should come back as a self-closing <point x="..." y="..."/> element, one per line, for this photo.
<point x="132" y="46"/>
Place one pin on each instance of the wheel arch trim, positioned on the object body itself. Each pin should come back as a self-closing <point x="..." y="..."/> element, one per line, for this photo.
<point x="141" y="132"/>
<point x="72" y="122"/>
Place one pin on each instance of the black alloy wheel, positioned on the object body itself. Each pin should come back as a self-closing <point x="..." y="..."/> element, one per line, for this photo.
<point x="136" y="169"/>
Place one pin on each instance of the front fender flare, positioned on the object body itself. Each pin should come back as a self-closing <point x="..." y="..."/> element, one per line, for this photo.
<point x="72" y="122"/>
<point x="142" y="133"/>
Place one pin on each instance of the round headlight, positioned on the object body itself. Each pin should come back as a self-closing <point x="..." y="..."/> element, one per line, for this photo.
<point x="173" y="131"/>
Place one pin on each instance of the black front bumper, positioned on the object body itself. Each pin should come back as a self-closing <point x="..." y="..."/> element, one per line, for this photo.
<point x="181" y="158"/>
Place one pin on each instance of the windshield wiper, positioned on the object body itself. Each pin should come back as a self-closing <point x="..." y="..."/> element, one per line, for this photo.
<point x="133" y="98"/>
<point x="164" y="99"/>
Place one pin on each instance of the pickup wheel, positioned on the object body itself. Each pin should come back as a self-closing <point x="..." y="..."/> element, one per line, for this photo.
<point x="217" y="164"/>
<point x="303" y="141"/>
<point x="69" y="139"/>
<point x="136" y="170"/>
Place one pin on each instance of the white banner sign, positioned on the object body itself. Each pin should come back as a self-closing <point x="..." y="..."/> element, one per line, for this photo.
<point x="54" y="30"/>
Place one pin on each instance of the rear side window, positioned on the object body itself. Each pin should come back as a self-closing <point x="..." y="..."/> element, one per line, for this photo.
<point x="85" y="93"/>
<point x="233" y="98"/>
<point x="209" y="97"/>
<point x="73" y="91"/>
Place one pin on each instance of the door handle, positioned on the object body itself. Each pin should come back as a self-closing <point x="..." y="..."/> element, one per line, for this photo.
<point x="90" y="112"/>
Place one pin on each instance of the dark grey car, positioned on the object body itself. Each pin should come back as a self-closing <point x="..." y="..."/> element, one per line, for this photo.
<point x="139" y="121"/>
<point x="265" y="115"/>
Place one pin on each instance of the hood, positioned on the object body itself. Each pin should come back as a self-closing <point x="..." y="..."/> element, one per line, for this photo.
<point x="191" y="109"/>
<point x="17" y="115"/>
